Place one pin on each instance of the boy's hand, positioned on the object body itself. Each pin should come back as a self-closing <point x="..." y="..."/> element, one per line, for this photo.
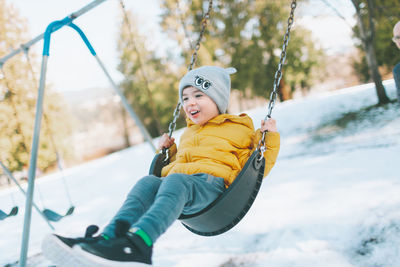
<point x="165" y="141"/>
<point x="268" y="125"/>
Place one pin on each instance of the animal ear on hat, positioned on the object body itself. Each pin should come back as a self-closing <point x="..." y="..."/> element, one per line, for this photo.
<point x="230" y="70"/>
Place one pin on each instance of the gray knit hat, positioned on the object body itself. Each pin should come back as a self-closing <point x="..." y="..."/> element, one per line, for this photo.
<point x="213" y="81"/>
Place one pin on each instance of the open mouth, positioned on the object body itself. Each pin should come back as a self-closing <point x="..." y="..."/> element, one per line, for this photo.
<point x="194" y="112"/>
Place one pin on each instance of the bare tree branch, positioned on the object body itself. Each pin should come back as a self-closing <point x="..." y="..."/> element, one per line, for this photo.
<point x="337" y="12"/>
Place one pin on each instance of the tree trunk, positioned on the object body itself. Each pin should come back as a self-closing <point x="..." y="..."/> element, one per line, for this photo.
<point x="367" y="38"/>
<point x="241" y="96"/>
<point x="285" y="92"/>
<point x="125" y="130"/>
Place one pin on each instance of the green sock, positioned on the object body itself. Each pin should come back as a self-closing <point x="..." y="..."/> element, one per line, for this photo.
<point x="146" y="238"/>
<point x="106" y="237"/>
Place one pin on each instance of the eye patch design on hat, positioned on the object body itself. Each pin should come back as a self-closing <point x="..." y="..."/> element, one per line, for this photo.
<point x="200" y="81"/>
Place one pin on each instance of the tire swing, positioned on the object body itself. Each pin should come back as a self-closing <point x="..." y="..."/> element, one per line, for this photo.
<point x="229" y="208"/>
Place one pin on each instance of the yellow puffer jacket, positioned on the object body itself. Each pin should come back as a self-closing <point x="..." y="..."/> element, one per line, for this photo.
<point x="221" y="147"/>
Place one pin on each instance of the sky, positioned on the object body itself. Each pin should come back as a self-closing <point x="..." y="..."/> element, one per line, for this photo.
<point x="330" y="22"/>
<point x="71" y="67"/>
<point x="332" y="198"/>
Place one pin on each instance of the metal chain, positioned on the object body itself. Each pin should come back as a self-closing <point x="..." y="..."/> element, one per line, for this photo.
<point x="203" y="28"/>
<point x="141" y="66"/>
<point x="206" y="17"/>
<point x="278" y="74"/>
<point x="172" y="125"/>
<point x="25" y="49"/>
<point x="8" y="95"/>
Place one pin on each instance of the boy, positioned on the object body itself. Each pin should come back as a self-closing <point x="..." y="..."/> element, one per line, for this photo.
<point x="212" y="151"/>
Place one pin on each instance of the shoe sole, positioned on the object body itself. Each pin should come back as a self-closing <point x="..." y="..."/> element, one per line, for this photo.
<point x="91" y="260"/>
<point x="59" y="253"/>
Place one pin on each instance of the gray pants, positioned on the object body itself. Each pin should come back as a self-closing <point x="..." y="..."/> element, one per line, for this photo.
<point x="154" y="204"/>
<point x="396" y="76"/>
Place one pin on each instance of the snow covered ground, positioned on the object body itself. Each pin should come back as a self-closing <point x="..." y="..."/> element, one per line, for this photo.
<point x="332" y="199"/>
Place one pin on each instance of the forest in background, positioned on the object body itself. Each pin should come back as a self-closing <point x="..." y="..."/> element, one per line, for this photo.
<point x="245" y="34"/>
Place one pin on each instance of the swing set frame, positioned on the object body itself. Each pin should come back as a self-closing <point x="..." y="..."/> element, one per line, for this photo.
<point x="193" y="222"/>
<point x="46" y="36"/>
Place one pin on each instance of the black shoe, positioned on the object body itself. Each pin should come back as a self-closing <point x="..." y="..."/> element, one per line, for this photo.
<point x="58" y="249"/>
<point x="126" y="249"/>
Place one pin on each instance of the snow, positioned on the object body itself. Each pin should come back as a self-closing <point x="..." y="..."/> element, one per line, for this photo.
<point x="332" y="199"/>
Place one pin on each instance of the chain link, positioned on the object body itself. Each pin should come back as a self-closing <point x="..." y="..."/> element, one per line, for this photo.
<point x="277" y="79"/>
<point x="172" y="125"/>
<point x="278" y="75"/>
<point x="206" y="17"/>
<point x="201" y="34"/>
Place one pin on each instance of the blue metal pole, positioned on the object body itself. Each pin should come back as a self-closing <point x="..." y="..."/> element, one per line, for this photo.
<point x="125" y="102"/>
<point x="35" y="141"/>
<point x="126" y="105"/>
<point x="38" y="117"/>
<point x="27" y="45"/>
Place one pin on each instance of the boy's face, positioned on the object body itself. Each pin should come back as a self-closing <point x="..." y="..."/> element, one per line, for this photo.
<point x="198" y="106"/>
<point x="396" y="34"/>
